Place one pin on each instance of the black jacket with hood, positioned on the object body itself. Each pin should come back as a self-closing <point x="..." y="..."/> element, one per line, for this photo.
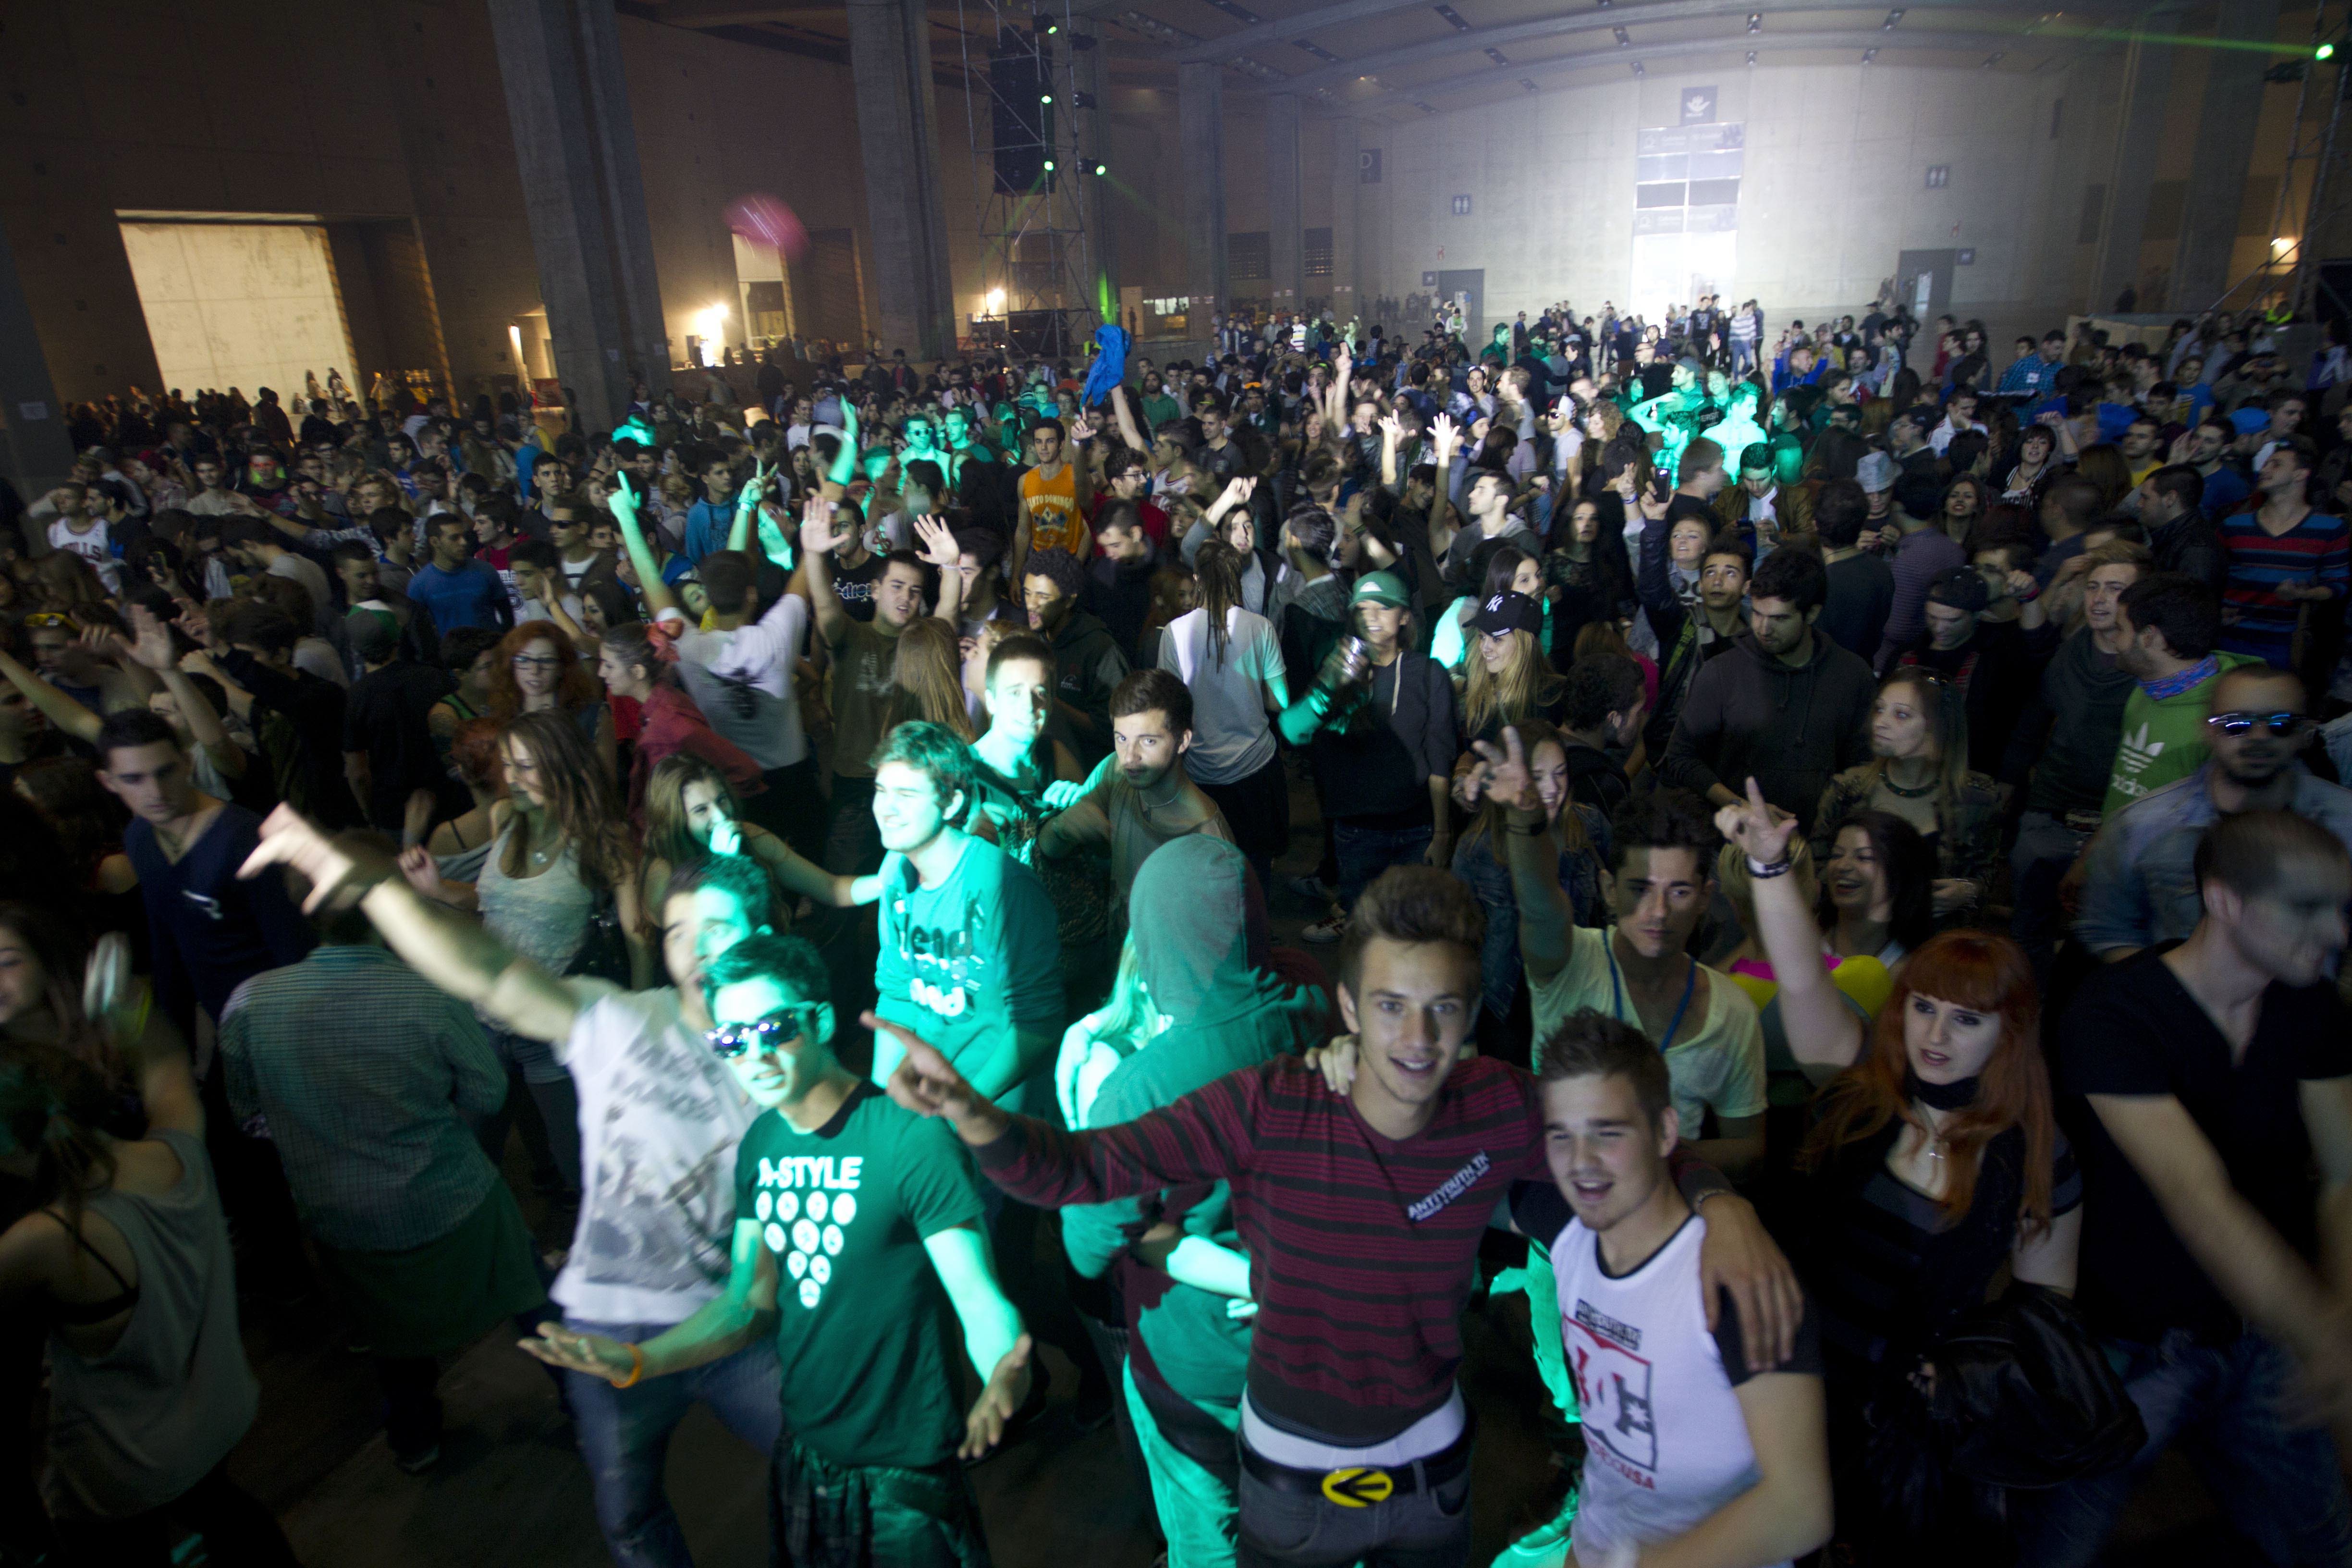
<point x="1792" y="728"/>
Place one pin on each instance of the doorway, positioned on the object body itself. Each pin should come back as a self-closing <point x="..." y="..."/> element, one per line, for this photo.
<point x="1469" y="285"/>
<point x="1923" y="280"/>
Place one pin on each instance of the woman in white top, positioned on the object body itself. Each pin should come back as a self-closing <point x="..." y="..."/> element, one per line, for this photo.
<point x="1231" y="660"/>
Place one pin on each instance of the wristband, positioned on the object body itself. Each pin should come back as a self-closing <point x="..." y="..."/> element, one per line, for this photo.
<point x="636" y="1370"/>
<point x="1760" y="872"/>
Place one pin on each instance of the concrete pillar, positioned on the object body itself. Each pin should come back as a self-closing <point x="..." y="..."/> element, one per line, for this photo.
<point x="1088" y="70"/>
<point x="39" y="451"/>
<point x="646" y="347"/>
<point x="1200" y="151"/>
<point x="2147" y="80"/>
<point x="890" y="69"/>
<point x="2225" y="143"/>
<point x="565" y="200"/>
<point x="1286" y="240"/>
<point x="1347" y="244"/>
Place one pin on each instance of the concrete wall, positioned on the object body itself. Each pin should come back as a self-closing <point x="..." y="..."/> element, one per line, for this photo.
<point x="1834" y="187"/>
<point x="388" y="119"/>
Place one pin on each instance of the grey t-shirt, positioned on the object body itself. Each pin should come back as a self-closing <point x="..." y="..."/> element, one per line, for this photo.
<point x="1231" y="735"/>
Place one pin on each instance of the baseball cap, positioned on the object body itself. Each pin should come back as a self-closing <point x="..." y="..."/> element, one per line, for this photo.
<point x="1381" y="588"/>
<point x="2246" y="421"/>
<point x="1509" y="612"/>
<point x="1875" y="471"/>
<point x="374" y="634"/>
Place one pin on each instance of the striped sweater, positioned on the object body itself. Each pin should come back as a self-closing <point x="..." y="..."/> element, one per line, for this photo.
<point x="2312" y="551"/>
<point x="1361" y="1250"/>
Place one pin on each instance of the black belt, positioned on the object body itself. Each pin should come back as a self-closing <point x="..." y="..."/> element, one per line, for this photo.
<point x="1360" y="1486"/>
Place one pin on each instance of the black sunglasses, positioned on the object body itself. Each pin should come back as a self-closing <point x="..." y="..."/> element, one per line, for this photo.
<point x="731" y="1040"/>
<point x="2281" y="724"/>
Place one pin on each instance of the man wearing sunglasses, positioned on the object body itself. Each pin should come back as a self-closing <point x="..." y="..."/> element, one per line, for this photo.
<point x="2141" y="887"/>
<point x="660" y="1118"/>
<point x="852" y="1216"/>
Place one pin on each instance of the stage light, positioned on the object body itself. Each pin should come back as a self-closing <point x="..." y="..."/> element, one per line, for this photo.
<point x="1755" y="21"/>
<point x="1102" y="169"/>
<point x="1049" y="165"/>
<point x="2325" y="52"/>
<point x="1045" y="97"/>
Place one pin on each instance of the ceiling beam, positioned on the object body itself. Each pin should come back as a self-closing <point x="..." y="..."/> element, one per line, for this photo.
<point x="1605" y="19"/>
<point x="1763" y="43"/>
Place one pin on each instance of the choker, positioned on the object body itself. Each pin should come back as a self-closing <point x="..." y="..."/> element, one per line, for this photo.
<point x="1957" y="1095"/>
<point x="1887" y="783"/>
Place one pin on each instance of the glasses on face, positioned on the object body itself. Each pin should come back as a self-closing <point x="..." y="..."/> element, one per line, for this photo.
<point x="2281" y="724"/>
<point x="730" y="1041"/>
<point x="50" y="618"/>
<point x="536" y="662"/>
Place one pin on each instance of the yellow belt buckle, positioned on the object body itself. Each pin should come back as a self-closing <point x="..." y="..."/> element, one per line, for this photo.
<point x="1357" y="1488"/>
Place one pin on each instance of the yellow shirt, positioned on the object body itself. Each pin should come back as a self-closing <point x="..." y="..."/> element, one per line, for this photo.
<point x="1053" y="520"/>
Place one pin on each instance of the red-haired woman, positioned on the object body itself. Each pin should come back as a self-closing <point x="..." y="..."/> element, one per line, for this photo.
<point x="1935" y="1160"/>
<point x="536" y="669"/>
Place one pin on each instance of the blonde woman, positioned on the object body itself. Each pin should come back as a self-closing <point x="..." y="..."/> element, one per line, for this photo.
<point x="927" y="677"/>
<point x="1507" y="680"/>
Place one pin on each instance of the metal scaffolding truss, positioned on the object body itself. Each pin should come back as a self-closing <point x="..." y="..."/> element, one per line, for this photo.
<point x="1021" y="73"/>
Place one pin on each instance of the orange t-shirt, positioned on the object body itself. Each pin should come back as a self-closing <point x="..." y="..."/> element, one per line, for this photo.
<point x="1053" y="520"/>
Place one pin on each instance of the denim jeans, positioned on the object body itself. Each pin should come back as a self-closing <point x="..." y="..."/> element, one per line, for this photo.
<point x="1429" y="1528"/>
<point x="2280" y="1485"/>
<point x="625" y="1436"/>
<point x="1366" y="852"/>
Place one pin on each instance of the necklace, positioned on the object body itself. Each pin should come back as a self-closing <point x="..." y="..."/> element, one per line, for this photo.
<point x="1886" y="782"/>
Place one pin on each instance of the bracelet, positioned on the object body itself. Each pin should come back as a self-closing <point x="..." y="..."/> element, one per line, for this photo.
<point x="636" y="1370"/>
<point x="1760" y="872"/>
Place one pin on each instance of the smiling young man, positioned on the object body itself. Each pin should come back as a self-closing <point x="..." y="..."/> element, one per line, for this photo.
<point x="1693" y="1455"/>
<point x="659" y="1121"/>
<point x="1662" y="874"/>
<point x="970" y="956"/>
<point x="852" y="1221"/>
<point x="1361" y="1211"/>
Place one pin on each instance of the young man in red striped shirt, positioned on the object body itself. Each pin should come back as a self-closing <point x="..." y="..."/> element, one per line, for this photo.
<point x="1362" y="1214"/>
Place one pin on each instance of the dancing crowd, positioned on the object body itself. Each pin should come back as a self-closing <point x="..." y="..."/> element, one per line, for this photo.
<point x="1821" y="859"/>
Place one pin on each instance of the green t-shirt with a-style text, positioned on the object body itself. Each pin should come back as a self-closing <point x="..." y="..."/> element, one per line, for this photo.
<point x="862" y="1319"/>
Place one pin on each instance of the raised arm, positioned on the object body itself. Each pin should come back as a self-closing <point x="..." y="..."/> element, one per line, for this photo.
<point x="1129" y="431"/>
<point x="946" y="558"/>
<point x="1547" y="919"/>
<point x="1823" y="1034"/>
<point x="454" y="952"/>
<point x="53" y="705"/>
<point x="624" y="507"/>
<point x="819" y="538"/>
<point x="747" y="507"/>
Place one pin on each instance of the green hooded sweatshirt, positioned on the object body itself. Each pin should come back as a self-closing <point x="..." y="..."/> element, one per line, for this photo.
<point x="1201" y="955"/>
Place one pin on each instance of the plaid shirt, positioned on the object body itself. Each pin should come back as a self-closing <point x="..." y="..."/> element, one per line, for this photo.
<point x="365" y="1072"/>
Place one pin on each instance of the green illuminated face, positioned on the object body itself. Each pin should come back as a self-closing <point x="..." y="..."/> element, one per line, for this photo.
<point x="959" y="427"/>
<point x="919" y="436"/>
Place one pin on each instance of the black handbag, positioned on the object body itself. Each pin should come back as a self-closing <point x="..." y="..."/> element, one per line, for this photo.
<point x="2021" y="1398"/>
<point x="603" y="948"/>
<point x="2026" y="1398"/>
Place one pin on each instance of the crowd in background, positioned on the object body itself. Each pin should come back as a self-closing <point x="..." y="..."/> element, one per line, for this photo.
<point x="1856" y="791"/>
